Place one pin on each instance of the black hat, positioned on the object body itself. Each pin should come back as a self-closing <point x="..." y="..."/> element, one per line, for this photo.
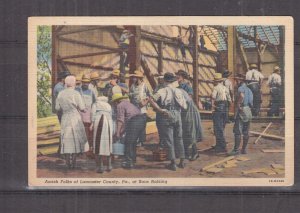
<point x="183" y="74"/>
<point x="63" y="74"/>
<point x="169" y="77"/>
<point x="226" y="74"/>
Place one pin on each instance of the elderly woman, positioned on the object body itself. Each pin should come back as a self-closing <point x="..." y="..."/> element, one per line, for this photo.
<point x="73" y="137"/>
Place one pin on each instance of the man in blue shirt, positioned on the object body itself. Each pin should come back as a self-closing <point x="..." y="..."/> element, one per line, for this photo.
<point x="243" y="117"/>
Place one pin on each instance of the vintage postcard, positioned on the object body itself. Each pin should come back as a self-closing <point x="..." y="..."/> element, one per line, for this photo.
<point x="160" y="102"/>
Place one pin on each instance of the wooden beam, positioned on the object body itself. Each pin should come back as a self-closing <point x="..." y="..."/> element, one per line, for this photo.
<point x="167" y="40"/>
<point x="269" y="136"/>
<point x="242" y="54"/>
<point x="86" y="55"/>
<point x="160" y="58"/>
<point x="138" y="47"/>
<point x="195" y="67"/>
<point x="178" y="61"/>
<point x="231" y="35"/>
<point x="148" y="74"/>
<point x="265" y="130"/>
<point x="87" y="65"/>
<point x="217" y="163"/>
<point x="73" y="41"/>
<point x="257" y="43"/>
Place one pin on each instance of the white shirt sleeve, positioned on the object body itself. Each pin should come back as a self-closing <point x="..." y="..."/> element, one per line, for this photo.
<point x="180" y="98"/>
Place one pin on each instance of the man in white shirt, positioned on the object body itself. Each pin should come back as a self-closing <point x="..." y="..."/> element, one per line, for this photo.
<point x="220" y="96"/>
<point x="228" y="84"/>
<point x="255" y="78"/>
<point x="274" y="82"/>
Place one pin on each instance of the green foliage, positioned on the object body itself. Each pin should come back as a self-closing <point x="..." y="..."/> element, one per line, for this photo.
<point x="44" y="47"/>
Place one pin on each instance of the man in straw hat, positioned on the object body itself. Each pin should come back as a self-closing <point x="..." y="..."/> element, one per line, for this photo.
<point x="168" y="102"/>
<point x="274" y="82"/>
<point x="130" y="119"/>
<point x="138" y="93"/>
<point x="243" y="116"/>
<point x="94" y="79"/>
<point x="220" y="97"/>
<point x="89" y="99"/>
<point x="115" y="86"/>
<point x="255" y="78"/>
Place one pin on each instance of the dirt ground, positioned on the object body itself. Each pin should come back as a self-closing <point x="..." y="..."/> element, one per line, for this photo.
<point x="52" y="166"/>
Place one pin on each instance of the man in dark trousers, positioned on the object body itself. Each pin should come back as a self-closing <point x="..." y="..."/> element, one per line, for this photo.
<point x="130" y="119"/>
<point x="243" y="117"/>
<point x="220" y="98"/>
<point x="169" y="101"/>
<point x="274" y="82"/>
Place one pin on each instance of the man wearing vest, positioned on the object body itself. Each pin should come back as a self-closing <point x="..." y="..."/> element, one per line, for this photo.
<point x="255" y="78"/>
<point x="171" y="101"/>
<point x="274" y="82"/>
<point x="220" y="98"/>
<point x="243" y="117"/>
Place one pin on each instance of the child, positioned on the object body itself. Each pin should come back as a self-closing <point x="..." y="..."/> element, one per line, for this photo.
<point x="102" y="125"/>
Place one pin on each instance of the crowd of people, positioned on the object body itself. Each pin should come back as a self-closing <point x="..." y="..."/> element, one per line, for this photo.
<point x="93" y="119"/>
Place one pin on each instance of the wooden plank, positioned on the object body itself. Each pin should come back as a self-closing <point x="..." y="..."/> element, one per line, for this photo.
<point x="49" y="142"/>
<point x="88" y="65"/>
<point x="47" y="129"/>
<point x="217" y="163"/>
<point x="272" y="150"/>
<point x="99" y="46"/>
<point x="277" y="166"/>
<point x="47" y="150"/>
<point x="269" y="136"/>
<point x="214" y="170"/>
<point x="195" y="67"/>
<point x="265" y="130"/>
<point x="86" y="55"/>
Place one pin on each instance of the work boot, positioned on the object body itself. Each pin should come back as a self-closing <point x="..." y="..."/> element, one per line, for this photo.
<point x="245" y="142"/>
<point x="237" y="142"/>
<point x="172" y="166"/>
<point x="181" y="163"/>
<point x="195" y="153"/>
<point x="68" y="161"/>
<point x="100" y="168"/>
<point x="109" y="166"/>
<point x="73" y="165"/>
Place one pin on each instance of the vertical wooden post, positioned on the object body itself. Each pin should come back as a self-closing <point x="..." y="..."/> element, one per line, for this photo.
<point x="54" y="61"/>
<point x="137" y="47"/>
<point x="281" y="53"/>
<point x="160" y="58"/>
<point x="232" y="56"/>
<point x="257" y="49"/>
<point x="195" y="67"/>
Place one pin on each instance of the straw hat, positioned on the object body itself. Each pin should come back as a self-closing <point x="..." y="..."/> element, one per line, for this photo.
<point x="118" y="96"/>
<point x="86" y="78"/>
<point x="218" y="77"/>
<point x="137" y="74"/>
<point x="276" y="69"/>
<point x="78" y="78"/>
<point x="94" y="76"/>
<point x="116" y="73"/>
<point x="253" y="66"/>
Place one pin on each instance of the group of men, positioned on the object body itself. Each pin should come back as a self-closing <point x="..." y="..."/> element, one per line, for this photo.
<point x="177" y="116"/>
<point x="248" y="100"/>
<point x="177" y="128"/>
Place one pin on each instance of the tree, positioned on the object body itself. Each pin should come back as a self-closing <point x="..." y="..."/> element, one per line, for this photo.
<point x="44" y="48"/>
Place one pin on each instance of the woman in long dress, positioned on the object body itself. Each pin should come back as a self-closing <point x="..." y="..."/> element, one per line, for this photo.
<point x="73" y="137"/>
<point x="102" y="124"/>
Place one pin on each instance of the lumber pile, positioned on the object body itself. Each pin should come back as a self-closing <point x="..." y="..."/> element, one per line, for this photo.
<point x="272" y="170"/>
<point x="48" y="130"/>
